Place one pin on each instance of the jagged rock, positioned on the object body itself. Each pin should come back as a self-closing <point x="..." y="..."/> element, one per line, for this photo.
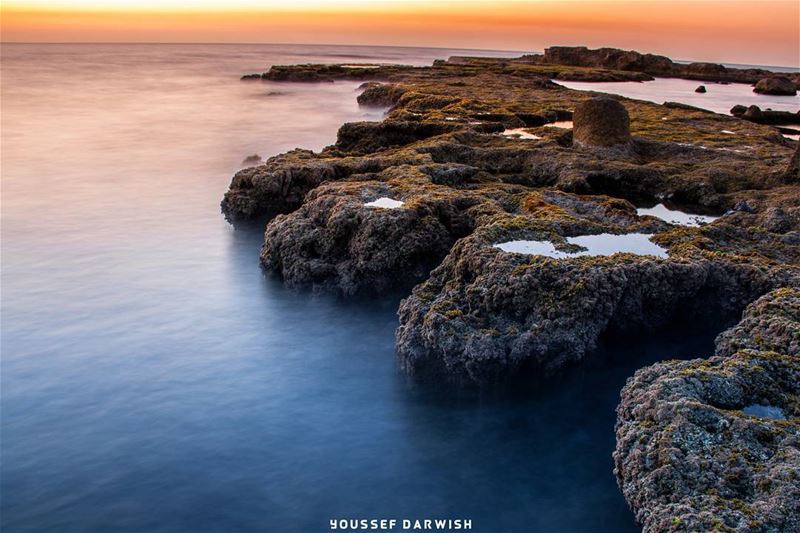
<point x="714" y="444"/>
<point x="700" y="89"/>
<point x="250" y="77"/>
<point x="778" y="85"/>
<point x="279" y="186"/>
<point x="282" y="182"/>
<point x="380" y="94"/>
<point x="607" y="58"/>
<point x="601" y="122"/>
<point x="366" y="137"/>
<point x="771" y="323"/>
<point x="709" y="71"/>
<point x="629" y="60"/>
<point x="486" y="314"/>
<point x="337" y="242"/>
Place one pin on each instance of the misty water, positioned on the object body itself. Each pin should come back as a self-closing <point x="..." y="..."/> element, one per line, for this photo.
<point x="720" y="97"/>
<point x="154" y="379"/>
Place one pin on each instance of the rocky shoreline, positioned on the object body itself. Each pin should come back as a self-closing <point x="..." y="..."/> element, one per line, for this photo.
<point x="480" y="160"/>
<point x="714" y="444"/>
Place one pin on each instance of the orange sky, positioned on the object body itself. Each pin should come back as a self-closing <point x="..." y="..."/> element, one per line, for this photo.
<point x="745" y="31"/>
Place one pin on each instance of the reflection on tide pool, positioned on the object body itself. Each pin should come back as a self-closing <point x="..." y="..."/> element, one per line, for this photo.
<point x="385" y="203"/>
<point x="675" y="216"/>
<point x="590" y="245"/>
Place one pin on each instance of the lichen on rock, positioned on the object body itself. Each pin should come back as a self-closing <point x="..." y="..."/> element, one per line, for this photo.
<point x="601" y="122"/>
<point x="690" y="454"/>
<point x="693" y="451"/>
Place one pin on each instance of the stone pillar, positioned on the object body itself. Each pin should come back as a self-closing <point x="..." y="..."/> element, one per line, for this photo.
<point x="601" y="122"/>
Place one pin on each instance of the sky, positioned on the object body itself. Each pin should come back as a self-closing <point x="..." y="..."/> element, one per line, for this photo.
<point x="765" y="32"/>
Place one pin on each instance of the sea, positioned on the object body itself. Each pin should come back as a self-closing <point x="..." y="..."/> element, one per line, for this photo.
<point x="154" y="379"/>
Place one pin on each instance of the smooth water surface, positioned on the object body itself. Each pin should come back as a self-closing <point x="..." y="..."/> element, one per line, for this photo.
<point x="603" y="244"/>
<point x="765" y="411"/>
<point x="676" y="216"/>
<point x="154" y="380"/>
<point x="520" y="133"/>
<point x="720" y="98"/>
<point x="385" y="203"/>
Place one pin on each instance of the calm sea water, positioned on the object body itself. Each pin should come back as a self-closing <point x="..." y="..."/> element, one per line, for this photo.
<point x="719" y="98"/>
<point x="154" y="380"/>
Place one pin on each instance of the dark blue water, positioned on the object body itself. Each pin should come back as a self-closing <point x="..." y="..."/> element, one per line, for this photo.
<point x="154" y="380"/>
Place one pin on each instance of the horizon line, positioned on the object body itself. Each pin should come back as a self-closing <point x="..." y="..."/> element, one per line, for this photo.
<point x="162" y="43"/>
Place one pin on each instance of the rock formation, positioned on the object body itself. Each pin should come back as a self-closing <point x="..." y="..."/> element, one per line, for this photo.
<point x="755" y="114"/>
<point x="779" y="85"/>
<point x="655" y="65"/>
<point x="601" y="122"/>
<point x="466" y="197"/>
<point x="714" y="444"/>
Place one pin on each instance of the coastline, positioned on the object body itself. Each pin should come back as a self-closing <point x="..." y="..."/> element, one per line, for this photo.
<point x="478" y="315"/>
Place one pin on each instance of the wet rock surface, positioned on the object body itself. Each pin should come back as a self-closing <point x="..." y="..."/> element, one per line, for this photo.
<point x="429" y="199"/>
<point x="714" y="444"/>
<point x="486" y="314"/>
<point x="463" y="186"/>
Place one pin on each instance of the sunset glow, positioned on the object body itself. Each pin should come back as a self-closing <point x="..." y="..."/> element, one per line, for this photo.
<point x="747" y="31"/>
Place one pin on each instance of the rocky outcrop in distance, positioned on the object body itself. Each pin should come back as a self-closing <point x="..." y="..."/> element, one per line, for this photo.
<point x="660" y="66"/>
<point x="778" y="85"/>
<point x="714" y="444"/>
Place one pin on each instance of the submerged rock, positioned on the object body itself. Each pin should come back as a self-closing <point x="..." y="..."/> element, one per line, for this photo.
<point x="601" y="122"/>
<point x="700" y="89"/>
<point x="714" y="444"/>
<point x="251" y="159"/>
<point x="778" y="85"/>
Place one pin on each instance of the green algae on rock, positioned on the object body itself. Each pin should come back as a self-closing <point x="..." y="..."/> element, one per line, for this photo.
<point x="479" y="314"/>
<point x="693" y="454"/>
<point x="464" y="163"/>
